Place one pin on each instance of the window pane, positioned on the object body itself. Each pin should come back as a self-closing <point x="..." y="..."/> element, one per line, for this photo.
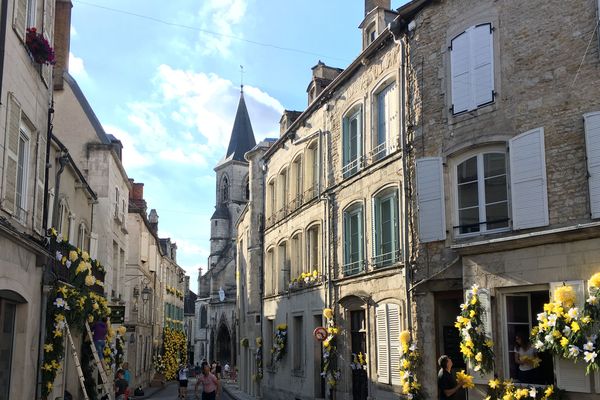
<point x="517" y="309"/>
<point x="467" y="170"/>
<point x="497" y="212"/>
<point x="353" y="139"/>
<point x="494" y="164"/>
<point x="495" y="189"/>
<point x="469" y="220"/>
<point x="468" y="195"/>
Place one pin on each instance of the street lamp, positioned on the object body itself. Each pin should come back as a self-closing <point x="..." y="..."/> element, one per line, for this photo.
<point x="146" y="292"/>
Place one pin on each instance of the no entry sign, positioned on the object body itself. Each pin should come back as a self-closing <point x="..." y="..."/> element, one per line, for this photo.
<point x="320" y="333"/>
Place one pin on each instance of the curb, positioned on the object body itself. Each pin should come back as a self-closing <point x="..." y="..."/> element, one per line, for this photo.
<point x="147" y="396"/>
<point x="230" y="393"/>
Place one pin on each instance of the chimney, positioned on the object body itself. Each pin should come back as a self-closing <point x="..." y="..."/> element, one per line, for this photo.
<point x="153" y="220"/>
<point x="287" y="119"/>
<point x="322" y="76"/>
<point x="62" y="40"/>
<point x="371" y="4"/>
<point x="137" y="190"/>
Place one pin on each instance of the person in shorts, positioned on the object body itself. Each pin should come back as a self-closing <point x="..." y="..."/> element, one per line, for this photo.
<point x="211" y="386"/>
<point x="182" y="376"/>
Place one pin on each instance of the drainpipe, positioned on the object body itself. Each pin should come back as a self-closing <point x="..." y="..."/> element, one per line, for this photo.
<point x="47" y="169"/>
<point x="63" y="161"/>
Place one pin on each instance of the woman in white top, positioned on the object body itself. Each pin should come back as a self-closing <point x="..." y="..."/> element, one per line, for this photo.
<point x="525" y="356"/>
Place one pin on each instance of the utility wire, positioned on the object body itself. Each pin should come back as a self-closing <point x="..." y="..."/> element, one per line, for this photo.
<point x="585" y="53"/>
<point x="218" y="34"/>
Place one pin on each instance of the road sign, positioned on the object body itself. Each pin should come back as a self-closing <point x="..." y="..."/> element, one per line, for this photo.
<point x="320" y="333"/>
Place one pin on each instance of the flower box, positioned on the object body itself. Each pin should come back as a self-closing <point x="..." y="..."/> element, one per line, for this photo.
<point x="39" y="47"/>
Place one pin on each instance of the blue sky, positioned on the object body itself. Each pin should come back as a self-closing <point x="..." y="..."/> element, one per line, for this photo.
<point x="164" y="77"/>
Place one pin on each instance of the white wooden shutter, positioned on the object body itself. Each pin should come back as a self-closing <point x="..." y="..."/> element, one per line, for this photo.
<point x="482" y="64"/>
<point x="570" y="376"/>
<point x="38" y="209"/>
<point x="48" y="30"/>
<point x="93" y="245"/>
<point x="394" y="328"/>
<point x="20" y="18"/>
<point x="144" y="247"/>
<point x="430" y="198"/>
<point x="528" y="180"/>
<point x="460" y="69"/>
<point x="592" y="148"/>
<point x="11" y="151"/>
<point x="484" y="298"/>
<point x="72" y="226"/>
<point x="376" y="224"/>
<point x="50" y="208"/>
<point x="383" y="354"/>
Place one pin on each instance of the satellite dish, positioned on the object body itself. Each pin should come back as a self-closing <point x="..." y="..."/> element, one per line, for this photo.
<point x="221" y="294"/>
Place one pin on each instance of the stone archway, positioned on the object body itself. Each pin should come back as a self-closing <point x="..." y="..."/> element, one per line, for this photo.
<point x="223" y="354"/>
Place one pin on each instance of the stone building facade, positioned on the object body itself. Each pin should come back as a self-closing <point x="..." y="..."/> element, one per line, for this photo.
<point x="502" y="129"/>
<point x="25" y="106"/>
<point x="217" y="287"/>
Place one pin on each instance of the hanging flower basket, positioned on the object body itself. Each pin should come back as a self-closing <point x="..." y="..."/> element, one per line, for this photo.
<point x="38" y="46"/>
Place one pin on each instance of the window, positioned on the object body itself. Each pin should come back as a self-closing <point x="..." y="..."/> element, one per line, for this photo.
<point x="521" y="309"/>
<point x="225" y="190"/>
<point x="298" y="344"/>
<point x="386" y="244"/>
<point x="388" y="325"/>
<point x="352" y="143"/>
<point x="298" y="188"/>
<point x="271" y="198"/>
<point x="312" y="246"/>
<point x="31" y="12"/>
<point x="271" y="274"/>
<point x="22" y="175"/>
<point x="297" y="266"/>
<point x="472" y="72"/>
<point x="312" y="171"/>
<point x="353" y="240"/>
<point x="203" y="317"/>
<point x="81" y="238"/>
<point x="282" y="193"/>
<point x="62" y="219"/>
<point x="246" y="188"/>
<point x="386" y="113"/>
<point x="284" y="267"/>
<point x="7" y="337"/>
<point x="482" y="193"/>
<point x="358" y="332"/>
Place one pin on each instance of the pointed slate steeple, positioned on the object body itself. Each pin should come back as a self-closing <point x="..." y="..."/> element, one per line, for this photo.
<point x="242" y="137"/>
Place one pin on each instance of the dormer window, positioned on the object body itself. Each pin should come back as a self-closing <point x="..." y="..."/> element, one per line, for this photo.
<point x="371" y="35"/>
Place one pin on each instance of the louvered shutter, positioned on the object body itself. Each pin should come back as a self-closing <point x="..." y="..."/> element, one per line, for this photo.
<point x="383" y="354"/>
<point x="528" y="180"/>
<point x="485" y="300"/>
<point x="38" y="211"/>
<point x="460" y="69"/>
<point x="394" y="328"/>
<point x="347" y="240"/>
<point x="50" y="208"/>
<point x="93" y="245"/>
<point x="345" y="141"/>
<point x="376" y="227"/>
<point x="48" y="30"/>
<point x="592" y="148"/>
<point x="396" y="231"/>
<point x="361" y="239"/>
<point x="393" y="121"/>
<point x="20" y="18"/>
<point x="570" y="376"/>
<point x="482" y="63"/>
<point x="11" y="151"/>
<point x="430" y="199"/>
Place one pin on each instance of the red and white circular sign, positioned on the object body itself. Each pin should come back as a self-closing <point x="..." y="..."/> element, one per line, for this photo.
<point x="320" y="333"/>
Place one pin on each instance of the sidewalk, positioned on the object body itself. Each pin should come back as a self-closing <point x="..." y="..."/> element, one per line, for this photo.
<point x="232" y="389"/>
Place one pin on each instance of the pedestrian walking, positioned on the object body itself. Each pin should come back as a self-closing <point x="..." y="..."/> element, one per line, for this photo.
<point x="211" y="386"/>
<point x="182" y="375"/>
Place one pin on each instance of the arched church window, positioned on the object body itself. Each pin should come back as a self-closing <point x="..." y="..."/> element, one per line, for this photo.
<point x="225" y="190"/>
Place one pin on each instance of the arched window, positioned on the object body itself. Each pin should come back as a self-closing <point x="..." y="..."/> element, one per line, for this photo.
<point x="203" y="317"/>
<point x="225" y="190"/>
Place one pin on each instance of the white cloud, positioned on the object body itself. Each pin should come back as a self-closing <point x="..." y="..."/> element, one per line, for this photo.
<point x="220" y="16"/>
<point x="76" y="67"/>
<point x="132" y="158"/>
<point x="73" y="31"/>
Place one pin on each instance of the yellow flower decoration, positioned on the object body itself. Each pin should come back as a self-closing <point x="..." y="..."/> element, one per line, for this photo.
<point x="564" y="342"/>
<point x="405" y="337"/>
<point x="49" y="386"/>
<point x="48" y="347"/>
<point x="465" y="380"/>
<point x="122" y="330"/>
<point x="595" y="280"/>
<point x="57" y="333"/>
<point x="85" y="256"/>
<point x="575" y="327"/>
<point x="73" y="256"/>
<point x="494" y="383"/>
<point x="549" y="391"/>
<point x="565" y="295"/>
<point x="328" y="313"/>
<point x="90" y="280"/>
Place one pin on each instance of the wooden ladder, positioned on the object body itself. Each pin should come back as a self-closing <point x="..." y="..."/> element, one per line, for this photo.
<point x="77" y="363"/>
<point x="105" y="382"/>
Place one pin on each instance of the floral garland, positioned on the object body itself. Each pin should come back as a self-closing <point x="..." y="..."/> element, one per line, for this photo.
<point x="258" y="361"/>
<point x="120" y="347"/>
<point x="244" y="342"/>
<point x="507" y="390"/>
<point x="304" y="279"/>
<point x="409" y="361"/>
<point x="359" y="361"/>
<point x="175" y="292"/>
<point x="175" y="351"/>
<point x="158" y="364"/>
<point x="330" y="372"/>
<point x="71" y="305"/>
<point x="568" y="331"/>
<point x="279" y="342"/>
<point x="464" y="380"/>
<point x="475" y="345"/>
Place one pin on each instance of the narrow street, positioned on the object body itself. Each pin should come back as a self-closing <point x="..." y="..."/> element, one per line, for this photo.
<point x="170" y="393"/>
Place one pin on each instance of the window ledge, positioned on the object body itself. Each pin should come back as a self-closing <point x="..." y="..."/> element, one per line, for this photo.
<point x="464" y="116"/>
<point x="519" y="240"/>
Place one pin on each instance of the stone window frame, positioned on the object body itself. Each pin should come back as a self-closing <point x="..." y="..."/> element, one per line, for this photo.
<point x="387" y="191"/>
<point x="296" y="253"/>
<point x="297" y="191"/>
<point x="311" y="169"/>
<point x="270" y="270"/>
<point x="350" y="168"/>
<point x="311" y="226"/>
<point x="282" y="266"/>
<point x="353" y="208"/>
<point x="453" y="162"/>
<point x="391" y="141"/>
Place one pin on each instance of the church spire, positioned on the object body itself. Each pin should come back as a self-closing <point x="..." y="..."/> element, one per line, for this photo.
<point x="242" y="136"/>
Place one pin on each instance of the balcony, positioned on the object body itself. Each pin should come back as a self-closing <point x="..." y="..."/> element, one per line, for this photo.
<point x="386" y="259"/>
<point x="354" y="268"/>
<point x="352" y="167"/>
